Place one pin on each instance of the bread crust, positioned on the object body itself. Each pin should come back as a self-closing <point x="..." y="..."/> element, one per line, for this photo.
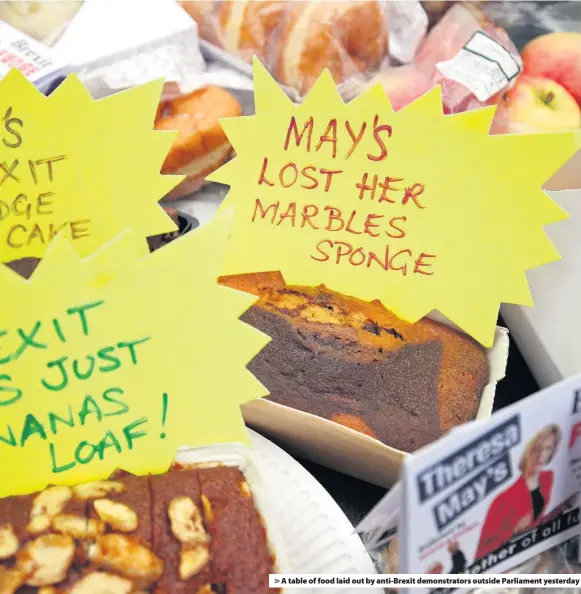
<point x="123" y="528"/>
<point x="201" y="145"/>
<point x="321" y="35"/>
<point x="297" y="40"/>
<point x="247" y="26"/>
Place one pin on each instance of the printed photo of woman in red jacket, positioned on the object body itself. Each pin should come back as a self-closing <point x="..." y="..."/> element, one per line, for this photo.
<point x="522" y="506"/>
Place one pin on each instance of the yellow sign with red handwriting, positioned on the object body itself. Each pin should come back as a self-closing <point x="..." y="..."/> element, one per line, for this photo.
<point x="105" y="367"/>
<point x="419" y="210"/>
<point x="85" y="169"/>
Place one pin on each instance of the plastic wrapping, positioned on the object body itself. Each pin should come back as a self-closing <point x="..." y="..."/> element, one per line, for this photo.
<point x="561" y="559"/>
<point x="201" y="146"/>
<point x="297" y="40"/>
<point x="43" y="21"/>
<point x="442" y="59"/>
<point x="163" y="43"/>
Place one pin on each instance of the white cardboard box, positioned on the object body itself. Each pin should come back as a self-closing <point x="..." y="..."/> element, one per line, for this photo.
<point x="548" y="333"/>
<point x="324" y="441"/>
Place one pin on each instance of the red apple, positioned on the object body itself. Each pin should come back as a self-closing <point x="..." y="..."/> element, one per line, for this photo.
<point x="556" y="56"/>
<point x="537" y="105"/>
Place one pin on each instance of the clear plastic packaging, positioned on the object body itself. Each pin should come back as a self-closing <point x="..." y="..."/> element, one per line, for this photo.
<point x="43" y="21"/>
<point x="201" y="146"/>
<point x="442" y="59"/>
<point x="296" y="41"/>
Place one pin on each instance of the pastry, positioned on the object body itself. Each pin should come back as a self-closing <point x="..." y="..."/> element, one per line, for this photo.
<point x="242" y="27"/>
<point x="247" y="27"/>
<point x="319" y="35"/>
<point x="201" y="145"/>
<point x="297" y="40"/>
<point x="191" y="530"/>
<point x="204" y="13"/>
<point x="359" y="365"/>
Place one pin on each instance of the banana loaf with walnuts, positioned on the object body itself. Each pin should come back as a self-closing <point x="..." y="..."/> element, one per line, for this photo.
<point x="358" y="364"/>
<point x="193" y="530"/>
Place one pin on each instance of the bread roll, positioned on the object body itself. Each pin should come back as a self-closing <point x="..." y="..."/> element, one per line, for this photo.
<point x="201" y="145"/>
<point x="247" y="27"/>
<point x="345" y="37"/>
<point x="297" y="40"/>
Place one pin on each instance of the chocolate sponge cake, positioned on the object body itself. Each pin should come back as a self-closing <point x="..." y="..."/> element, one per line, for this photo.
<point x="358" y="364"/>
<point x="191" y="530"/>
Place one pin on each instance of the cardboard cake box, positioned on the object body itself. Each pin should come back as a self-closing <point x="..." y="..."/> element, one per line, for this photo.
<point x="496" y="531"/>
<point x="547" y="334"/>
<point x="346" y="450"/>
<point x="323" y="441"/>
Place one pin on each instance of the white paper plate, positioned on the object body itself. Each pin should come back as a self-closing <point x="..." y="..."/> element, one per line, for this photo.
<point x="318" y="536"/>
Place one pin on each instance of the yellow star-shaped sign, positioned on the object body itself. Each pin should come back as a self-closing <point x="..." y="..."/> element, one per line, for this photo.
<point x="419" y="210"/>
<point x="83" y="168"/>
<point x="115" y="360"/>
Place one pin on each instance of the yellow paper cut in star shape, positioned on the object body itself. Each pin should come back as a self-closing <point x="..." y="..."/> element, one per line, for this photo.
<point x="83" y="168"/>
<point x="103" y="369"/>
<point x="420" y="210"/>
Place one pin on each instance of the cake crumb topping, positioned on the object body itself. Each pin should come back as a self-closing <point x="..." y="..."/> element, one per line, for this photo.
<point x="8" y="542"/>
<point x="118" y="515"/>
<point x="192" y="561"/>
<point x="77" y="526"/>
<point x="46" y="560"/>
<point x="97" y="489"/>
<point x="186" y="521"/>
<point x="99" y="582"/>
<point x="46" y="505"/>
<point x="10" y="580"/>
<point x="121" y="554"/>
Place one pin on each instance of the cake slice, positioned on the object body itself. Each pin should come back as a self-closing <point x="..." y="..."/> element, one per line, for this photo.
<point x="131" y="534"/>
<point x="38" y="535"/>
<point x="358" y="364"/>
<point x="201" y="146"/>
<point x="177" y="504"/>
<point x="240" y="557"/>
<point x="127" y="508"/>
